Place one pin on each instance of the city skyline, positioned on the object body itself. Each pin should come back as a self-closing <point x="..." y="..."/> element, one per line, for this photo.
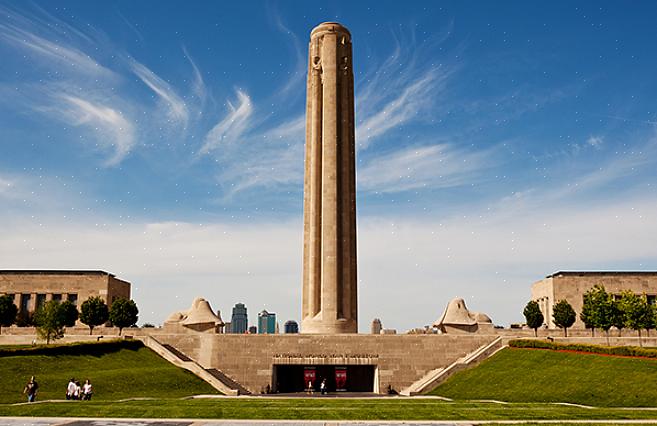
<point x="495" y="146"/>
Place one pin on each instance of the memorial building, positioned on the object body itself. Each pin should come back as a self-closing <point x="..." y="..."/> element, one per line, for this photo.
<point x="329" y="346"/>
<point x="31" y="289"/>
<point x="571" y="286"/>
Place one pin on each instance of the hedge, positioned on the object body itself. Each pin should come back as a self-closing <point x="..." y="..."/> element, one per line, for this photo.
<point x="83" y="348"/>
<point x="596" y="349"/>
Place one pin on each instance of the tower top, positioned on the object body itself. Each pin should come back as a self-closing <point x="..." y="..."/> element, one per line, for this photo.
<point x="329" y="27"/>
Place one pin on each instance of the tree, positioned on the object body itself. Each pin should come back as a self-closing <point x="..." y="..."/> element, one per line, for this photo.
<point x="617" y="317"/>
<point x="533" y="316"/>
<point x="8" y="311"/>
<point x="49" y="320"/>
<point x="638" y="313"/>
<point x="604" y="311"/>
<point x="652" y="317"/>
<point x="123" y="313"/>
<point x="564" y="315"/>
<point x="70" y="313"/>
<point x="93" y="312"/>
<point x="588" y="311"/>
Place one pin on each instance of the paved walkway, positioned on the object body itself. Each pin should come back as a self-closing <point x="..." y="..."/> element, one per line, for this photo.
<point x="35" y="421"/>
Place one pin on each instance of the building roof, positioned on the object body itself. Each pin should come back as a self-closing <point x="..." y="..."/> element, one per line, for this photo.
<point x="555" y="274"/>
<point x="54" y="272"/>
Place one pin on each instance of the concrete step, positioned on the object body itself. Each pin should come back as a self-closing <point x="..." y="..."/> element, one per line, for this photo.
<point x="223" y="378"/>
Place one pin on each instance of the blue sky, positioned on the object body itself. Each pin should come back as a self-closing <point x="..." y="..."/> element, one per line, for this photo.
<point x="163" y="142"/>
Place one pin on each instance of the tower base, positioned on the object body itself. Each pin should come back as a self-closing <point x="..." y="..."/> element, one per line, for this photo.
<point x="319" y="326"/>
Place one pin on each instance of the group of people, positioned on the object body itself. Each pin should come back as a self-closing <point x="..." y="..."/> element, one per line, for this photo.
<point x="322" y="387"/>
<point x="73" y="391"/>
<point x="76" y="392"/>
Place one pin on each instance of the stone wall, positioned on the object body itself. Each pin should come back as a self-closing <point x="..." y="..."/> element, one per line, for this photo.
<point x="400" y="360"/>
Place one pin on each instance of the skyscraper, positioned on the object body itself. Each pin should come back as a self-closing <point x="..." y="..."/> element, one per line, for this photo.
<point x="266" y="322"/>
<point x="239" y="321"/>
<point x="291" y="327"/>
<point x="329" y="215"/>
<point x="376" y="326"/>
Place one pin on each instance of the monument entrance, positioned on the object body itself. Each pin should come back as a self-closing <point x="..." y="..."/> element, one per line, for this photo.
<point x="339" y="378"/>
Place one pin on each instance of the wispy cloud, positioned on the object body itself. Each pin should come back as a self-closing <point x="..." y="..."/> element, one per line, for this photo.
<point x="80" y="91"/>
<point x="198" y="85"/>
<point x="402" y="89"/>
<point x="595" y="141"/>
<point x="272" y="155"/>
<point x="108" y="125"/>
<point x="432" y="166"/>
<point x="35" y="36"/>
<point x="271" y="158"/>
<point x="294" y="84"/>
<point x="232" y="127"/>
<point x="412" y="99"/>
<point x="175" y="106"/>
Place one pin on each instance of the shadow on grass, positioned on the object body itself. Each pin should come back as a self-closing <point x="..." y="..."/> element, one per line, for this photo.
<point x="96" y="349"/>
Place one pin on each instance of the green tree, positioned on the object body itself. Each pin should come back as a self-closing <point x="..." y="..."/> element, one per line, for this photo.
<point x="564" y="315"/>
<point x="8" y="311"/>
<point x="533" y="316"/>
<point x="617" y="316"/>
<point x="604" y="312"/>
<point x="49" y="320"/>
<point x="652" y="318"/>
<point x="123" y="313"/>
<point x="588" y="312"/>
<point x="70" y="313"/>
<point x="93" y="312"/>
<point x="638" y="313"/>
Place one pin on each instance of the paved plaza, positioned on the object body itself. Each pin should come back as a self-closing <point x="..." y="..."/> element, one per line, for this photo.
<point x="137" y="422"/>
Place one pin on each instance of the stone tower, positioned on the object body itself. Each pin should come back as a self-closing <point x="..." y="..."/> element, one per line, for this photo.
<point x="329" y="213"/>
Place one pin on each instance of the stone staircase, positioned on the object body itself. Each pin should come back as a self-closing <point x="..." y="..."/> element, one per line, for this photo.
<point x="214" y="377"/>
<point x="435" y="377"/>
<point x="221" y="376"/>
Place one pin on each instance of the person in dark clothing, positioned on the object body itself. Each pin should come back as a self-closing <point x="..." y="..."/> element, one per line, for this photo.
<point x="31" y="389"/>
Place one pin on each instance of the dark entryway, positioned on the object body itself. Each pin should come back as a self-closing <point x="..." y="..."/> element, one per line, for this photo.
<point x="294" y="378"/>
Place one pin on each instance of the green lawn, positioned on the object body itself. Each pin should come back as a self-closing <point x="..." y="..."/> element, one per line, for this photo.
<point x="128" y="370"/>
<point x="532" y="375"/>
<point x="116" y="372"/>
<point x="323" y="409"/>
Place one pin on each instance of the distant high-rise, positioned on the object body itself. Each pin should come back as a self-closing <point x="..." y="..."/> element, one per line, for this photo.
<point x="228" y="328"/>
<point x="291" y="327"/>
<point x="376" y="326"/>
<point x="266" y="322"/>
<point x="239" y="321"/>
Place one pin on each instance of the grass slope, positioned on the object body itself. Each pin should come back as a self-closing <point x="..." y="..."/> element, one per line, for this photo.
<point x="324" y="409"/>
<point x="532" y="375"/>
<point x="116" y="372"/>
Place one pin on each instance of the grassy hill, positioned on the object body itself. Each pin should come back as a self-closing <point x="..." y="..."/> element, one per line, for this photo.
<point x="117" y="370"/>
<point x="531" y="375"/>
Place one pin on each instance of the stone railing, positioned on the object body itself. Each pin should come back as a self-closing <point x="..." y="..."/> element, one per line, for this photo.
<point x="188" y="364"/>
<point x="434" y="377"/>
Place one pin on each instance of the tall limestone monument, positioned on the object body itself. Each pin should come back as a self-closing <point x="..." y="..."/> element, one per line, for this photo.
<point x="329" y="215"/>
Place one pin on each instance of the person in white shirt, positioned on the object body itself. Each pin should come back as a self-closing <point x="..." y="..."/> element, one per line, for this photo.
<point x="70" y="389"/>
<point x="78" y="391"/>
<point x="87" y="391"/>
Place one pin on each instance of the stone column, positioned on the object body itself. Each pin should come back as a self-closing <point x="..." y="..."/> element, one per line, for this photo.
<point x="329" y="250"/>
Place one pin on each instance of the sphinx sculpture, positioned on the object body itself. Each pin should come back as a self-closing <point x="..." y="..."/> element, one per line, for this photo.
<point x="458" y="319"/>
<point x="200" y="317"/>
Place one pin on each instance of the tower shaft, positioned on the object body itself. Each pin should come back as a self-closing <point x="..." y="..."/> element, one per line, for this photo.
<point x="329" y="243"/>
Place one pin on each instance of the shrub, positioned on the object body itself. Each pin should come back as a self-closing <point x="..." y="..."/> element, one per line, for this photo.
<point x="595" y="349"/>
